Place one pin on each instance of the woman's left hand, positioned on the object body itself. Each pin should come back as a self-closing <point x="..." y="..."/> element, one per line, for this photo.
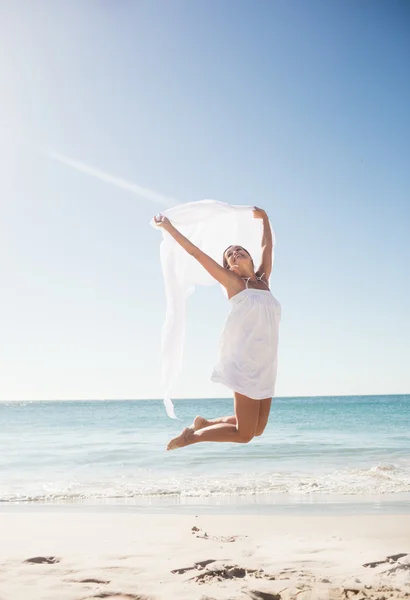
<point x="259" y="213"/>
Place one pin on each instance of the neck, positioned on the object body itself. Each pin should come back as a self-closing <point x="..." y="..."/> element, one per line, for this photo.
<point x="248" y="274"/>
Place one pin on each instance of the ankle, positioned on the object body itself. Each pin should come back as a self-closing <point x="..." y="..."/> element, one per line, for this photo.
<point x="189" y="435"/>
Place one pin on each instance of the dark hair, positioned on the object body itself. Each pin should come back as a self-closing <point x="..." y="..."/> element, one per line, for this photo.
<point x="225" y="262"/>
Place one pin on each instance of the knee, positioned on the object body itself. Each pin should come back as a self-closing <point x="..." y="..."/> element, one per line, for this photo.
<point x="259" y="431"/>
<point x="245" y="438"/>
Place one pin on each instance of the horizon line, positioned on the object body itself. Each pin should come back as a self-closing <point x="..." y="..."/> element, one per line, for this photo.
<point x="203" y="398"/>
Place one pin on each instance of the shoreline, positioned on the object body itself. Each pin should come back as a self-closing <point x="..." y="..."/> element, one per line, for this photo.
<point x="266" y="504"/>
<point x="77" y="556"/>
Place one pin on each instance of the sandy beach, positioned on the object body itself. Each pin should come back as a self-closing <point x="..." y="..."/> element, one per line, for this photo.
<point x="78" y="556"/>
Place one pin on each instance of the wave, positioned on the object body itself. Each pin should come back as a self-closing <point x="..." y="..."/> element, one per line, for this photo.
<point x="378" y="480"/>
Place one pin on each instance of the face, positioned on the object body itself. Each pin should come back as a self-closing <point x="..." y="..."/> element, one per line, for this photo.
<point x="235" y="255"/>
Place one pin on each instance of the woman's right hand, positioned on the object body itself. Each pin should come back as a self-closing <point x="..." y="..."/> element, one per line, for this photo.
<point x="161" y="221"/>
<point x="259" y="213"/>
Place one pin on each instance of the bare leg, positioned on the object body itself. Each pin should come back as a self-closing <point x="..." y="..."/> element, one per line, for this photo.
<point x="264" y="410"/>
<point x="201" y="422"/>
<point x="246" y="414"/>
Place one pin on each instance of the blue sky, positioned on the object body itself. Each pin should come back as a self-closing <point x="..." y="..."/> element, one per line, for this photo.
<point x="299" y="107"/>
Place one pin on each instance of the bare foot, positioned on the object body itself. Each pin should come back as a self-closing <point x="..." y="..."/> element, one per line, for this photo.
<point x="199" y="423"/>
<point x="181" y="440"/>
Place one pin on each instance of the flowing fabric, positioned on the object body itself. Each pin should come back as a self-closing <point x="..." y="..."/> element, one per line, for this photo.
<point x="212" y="226"/>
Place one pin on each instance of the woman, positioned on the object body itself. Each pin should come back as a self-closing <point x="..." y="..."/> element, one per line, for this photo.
<point x="248" y="354"/>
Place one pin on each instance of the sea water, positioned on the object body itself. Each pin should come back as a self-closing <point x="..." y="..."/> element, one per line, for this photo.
<point x="113" y="452"/>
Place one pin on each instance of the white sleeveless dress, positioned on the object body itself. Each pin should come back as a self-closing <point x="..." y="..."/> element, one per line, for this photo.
<point x="248" y="355"/>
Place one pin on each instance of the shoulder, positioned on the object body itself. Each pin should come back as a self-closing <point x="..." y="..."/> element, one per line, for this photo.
<point x="235" y="284"/>
<point x="260" y="274"/>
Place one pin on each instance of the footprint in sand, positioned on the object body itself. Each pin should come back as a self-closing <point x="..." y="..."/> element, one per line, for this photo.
<point x="227" y="572"/>
<point x="43" y="560"/>
<point x="257" y="595"/>
<point x="223" y="572"/>
<point x="117" y="596"/>
<point x="89" y="580"/>
<point x="198" y="565"/>
<point x="393" y="558"/>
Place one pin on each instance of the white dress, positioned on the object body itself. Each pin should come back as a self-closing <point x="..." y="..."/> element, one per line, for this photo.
<point x="248" y="355"/>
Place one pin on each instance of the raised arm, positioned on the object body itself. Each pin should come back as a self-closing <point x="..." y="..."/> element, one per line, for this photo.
<point x="267" y="244"/>
<point x="226" y="278"/>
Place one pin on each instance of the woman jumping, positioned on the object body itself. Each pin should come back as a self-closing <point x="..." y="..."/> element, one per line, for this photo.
<point x="248" y="352"/>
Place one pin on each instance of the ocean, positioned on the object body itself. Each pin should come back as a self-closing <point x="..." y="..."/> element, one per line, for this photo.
<point x="335" y="451"/>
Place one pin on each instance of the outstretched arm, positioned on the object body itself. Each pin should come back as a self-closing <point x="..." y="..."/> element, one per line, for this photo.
<point x="267" y="244"/>
<point x="226" y="278"/>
